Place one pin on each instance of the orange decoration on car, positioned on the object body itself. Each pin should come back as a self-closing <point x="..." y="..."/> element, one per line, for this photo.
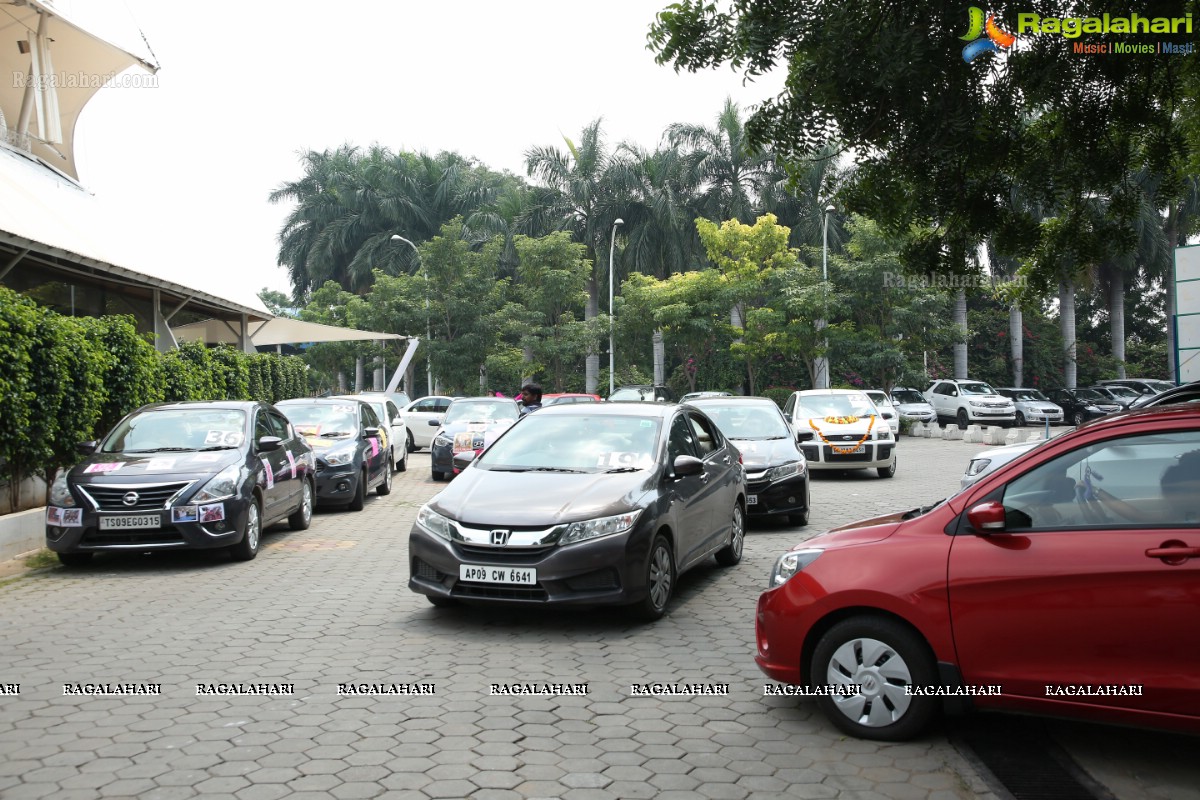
<point x="839" y="449"/>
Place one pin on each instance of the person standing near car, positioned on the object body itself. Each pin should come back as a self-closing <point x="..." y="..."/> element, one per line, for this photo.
<point x="530" y="398"/>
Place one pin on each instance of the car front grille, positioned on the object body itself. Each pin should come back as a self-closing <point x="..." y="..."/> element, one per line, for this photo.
<point x="600" y="579"/>
<point x="98" y="538"/>
<point x="498" y="592"/>
<point x="427" y="571"/>
<point x="148" y="496"/>
<point x="502" y="555"/>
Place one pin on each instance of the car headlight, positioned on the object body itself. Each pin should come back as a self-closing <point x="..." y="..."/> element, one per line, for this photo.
<point x="60" y="493"/>
<point x="1092" y="409"/>
<point x="442" y="440"/>
<point x="790" y="563"/>
<point x="883" y="432"/>
<point x="976" y="403"/>
<point x="340" y="457"/>
<point x="224" y="484"/>
<point x="602" y="526"/>
<point x="977" y="466"/>
<point x="435" y="523"/>
<point x="785" y="471"/>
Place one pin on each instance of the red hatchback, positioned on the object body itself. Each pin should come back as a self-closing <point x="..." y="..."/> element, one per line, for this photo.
<point x="1067" y="583"/>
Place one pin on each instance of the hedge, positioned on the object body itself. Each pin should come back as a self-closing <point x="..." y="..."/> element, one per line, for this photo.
<point x="70" y="379"/>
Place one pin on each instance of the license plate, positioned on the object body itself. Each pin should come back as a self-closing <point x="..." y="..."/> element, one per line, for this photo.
<point x="752" y="500"/>
<point x="522" y="576"/>
<point x="122" y="521"/>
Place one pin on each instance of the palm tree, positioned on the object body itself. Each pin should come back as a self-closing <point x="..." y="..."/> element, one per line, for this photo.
<point x="576" y="195"/>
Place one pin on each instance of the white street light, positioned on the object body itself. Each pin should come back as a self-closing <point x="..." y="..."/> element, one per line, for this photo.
<point x="428" y="329"/>
<point x="822" y="365"/>
<point x="612" y="243"/>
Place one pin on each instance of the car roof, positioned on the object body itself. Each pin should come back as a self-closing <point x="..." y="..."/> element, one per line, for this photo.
<point x="731" y="400"/>
<point x="222" y="404"/>
<point x="323" y="401"/>
<point x="608" y="409"/>
<point x="816" y="392"/>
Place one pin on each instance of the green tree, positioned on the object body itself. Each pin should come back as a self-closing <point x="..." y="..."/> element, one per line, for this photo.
<point x="551" y="287"/>
<point x="20" y="319"/>
<point x="133" y="377"/>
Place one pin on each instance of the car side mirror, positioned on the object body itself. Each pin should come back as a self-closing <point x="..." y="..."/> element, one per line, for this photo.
<point x="435" y="423"/>
<point x="370" y="433"/>
<point x="268" y="443"/>
<point x="687" y="465"/>
<point x="954" y="393"/>
<point x="86" y="448"/>
<point x="463" y="460"/>
<point x="987" y="517"/>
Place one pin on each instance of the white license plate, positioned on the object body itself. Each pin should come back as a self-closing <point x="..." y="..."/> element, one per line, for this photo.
<point x="119" y="522"/>
<point x="841" y="451"/>
<point x="521" y="576"/>
<point x="752" y="500"/>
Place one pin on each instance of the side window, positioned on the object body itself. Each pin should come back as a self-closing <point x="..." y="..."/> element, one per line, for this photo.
<point x="707" y="439"/>
<point x="279" y="425"/>
<point x="262" y="426"/>
<point x="369" y="418"/>
<point x="1151" y="480"/>
<point x="682" y="441"/>
<point x="441" y="405"/>
<point x="425" y="406"/>
<point x="392" y="412"/>
<point x="790" y="406"/>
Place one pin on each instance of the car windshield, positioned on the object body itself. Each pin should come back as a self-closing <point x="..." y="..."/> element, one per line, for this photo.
<point x="1028" y="394"/>
<point x="178" y="429"/>
<point x="633" y="393"/>
<point x="1122" y="391"/>
<point x="879" y="398"/>
<point x="975" y="388"/>
<point x="836" y="405"/>
<point x="907" y="396"/>
<point x="326" y="420"/>
<point x="575" y="443"/>
<point x="1090" y="394"/>
<point x="1160" y="386"/>
<point x="485" y="411"/>
<point x="741" y="421"/>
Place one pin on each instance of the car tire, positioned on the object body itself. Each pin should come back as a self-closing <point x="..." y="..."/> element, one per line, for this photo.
<point x="410" y="446"/>
<point x="883" y="657"/>
<point x="731" y="553"/>
<point x="402" y="464"/>
<point x="437" y="475"/>
<point x="441" y="602"/>
<point x="360" y="494"/>
<point x="1020" y="420"/>
<point x="74" y="559"/>
<point x="890" y="470"/>
<point x="247" y="548"/>
<point x="301" y="518"/>
<point x="962" y="420"/>
<point x="660" y="581"/>
<point x="385" y="486"/>
<point x="1078" y="419"/>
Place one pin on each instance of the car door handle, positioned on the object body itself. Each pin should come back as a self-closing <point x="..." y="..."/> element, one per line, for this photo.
<point x="725" y="460"/>
<point x="704" y="477"/>
<point x="1176" y="552"/>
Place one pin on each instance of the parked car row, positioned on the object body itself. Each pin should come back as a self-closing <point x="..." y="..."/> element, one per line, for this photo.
<point x="208" y="475"/>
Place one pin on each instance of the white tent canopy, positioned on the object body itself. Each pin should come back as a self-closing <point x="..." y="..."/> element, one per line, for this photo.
<point x="274" y="331"/>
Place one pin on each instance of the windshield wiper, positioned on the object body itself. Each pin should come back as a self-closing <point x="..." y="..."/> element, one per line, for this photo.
<point x="216" y="447"/>
<point x="334" y="434"/>
<point x="162" y="450"/>
<point x="923" y="510"/>
<point x="555" y="469"/>
<point x="620" y="469"/>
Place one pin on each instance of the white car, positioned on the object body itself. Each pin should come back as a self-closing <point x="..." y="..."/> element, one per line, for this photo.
<point x="993" y="458"/>
<point x="417" y="416"/>
<point x="841" y="429"/>
<point x="912" y="405"/>
<point x="1033" y="407"/>
<point x="389" y="415"/>
<point x="886" y="409"/>
<point x="967" y="402"/>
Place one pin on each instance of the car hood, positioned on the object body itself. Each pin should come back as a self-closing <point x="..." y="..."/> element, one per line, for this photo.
<point x="494" y="427"/>
<point x="988" y="398"/>
<point x="324" y="445"/>
<point x="126" y="466"/>
<point x="491" y="497"/>
<point x="857" y="428"/>
<point x="758" y="454"/>
<point x="861" y="532"/>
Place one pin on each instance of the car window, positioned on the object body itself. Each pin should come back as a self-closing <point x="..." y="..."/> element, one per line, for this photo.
<point x="485" y="411"/>
<point x="393" y="413"/>
<point x="369" y="418"/>
<point x="708" y="440"/>
<point x="262" y="426"/>
<point x="907" y="396"/>
<point x="577" y="442"/>
<point x="682" y="441"/>
<point x="967" y="387"/>
<point x="327" y="420"/>
<point x="1150" y="480"/>
<point x="176" y="428"/>
<point x="280" y="425"/>
<point x="836" y="405"/>
<point x="739" y="421"/>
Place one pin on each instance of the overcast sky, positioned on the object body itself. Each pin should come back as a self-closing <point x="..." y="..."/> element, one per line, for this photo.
<point x="244" y="88"/>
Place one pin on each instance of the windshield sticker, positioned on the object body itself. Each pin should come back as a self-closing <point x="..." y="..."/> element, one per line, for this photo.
<point x="185" y="514"/>
<point x="343" y="409"/>
<point x="53" y="515"/>
<point x="315" y="442"/>
<point x="213" y="512"/>
<point x="617" y="459"/>
<point x="291" y="463"/>
<point x="107" y="466"/>
<point x="203" y="458"/>
<point x="308" y="429"/>
<point x="270" y="474"/>
<point x="72" y="518"/>
<point x="218" y="437"/>
<point x="467" y="441"/>
<point x="374" y="446"/>
<point x="160" y="463"/>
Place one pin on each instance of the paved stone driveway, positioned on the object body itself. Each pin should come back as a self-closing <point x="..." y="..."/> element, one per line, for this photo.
<point x="329" y="606"/>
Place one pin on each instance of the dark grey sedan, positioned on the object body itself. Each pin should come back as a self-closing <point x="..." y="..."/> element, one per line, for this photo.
<point x="591" y="504"/>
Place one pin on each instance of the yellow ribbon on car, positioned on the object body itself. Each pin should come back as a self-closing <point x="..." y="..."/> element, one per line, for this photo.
<point x="842" y="450"/>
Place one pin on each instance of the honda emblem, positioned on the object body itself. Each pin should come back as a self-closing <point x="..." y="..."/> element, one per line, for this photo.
<point x="500" y="537"/>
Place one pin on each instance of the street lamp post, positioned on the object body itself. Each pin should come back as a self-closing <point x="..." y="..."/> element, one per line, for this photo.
<point x="612" y="243"/>
<point x="823" y="362"/>
<point x="428" y="327"/>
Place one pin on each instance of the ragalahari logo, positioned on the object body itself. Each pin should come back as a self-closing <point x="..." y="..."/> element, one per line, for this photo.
<point x="996" y="38"/>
